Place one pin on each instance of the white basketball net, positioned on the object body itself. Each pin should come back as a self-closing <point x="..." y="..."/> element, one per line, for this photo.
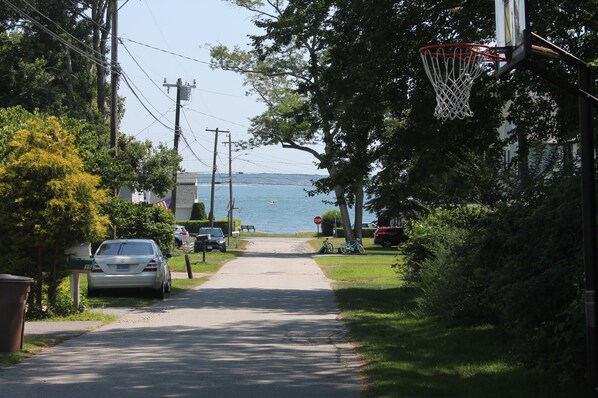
<point x="452" y="70"/>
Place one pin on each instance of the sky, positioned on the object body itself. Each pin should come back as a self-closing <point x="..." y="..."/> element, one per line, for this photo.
<point x="187" y="28"/>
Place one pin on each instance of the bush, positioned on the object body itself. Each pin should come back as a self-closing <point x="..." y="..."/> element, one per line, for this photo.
<point x="143" y="221"/>
<point x="438" y="257"/>
<point x="517" y="267"/>
<point x="193" y="226"/>
<point x="198" y="211"/>
<point x="330" y="220"/>
<point x="533" y="251"/>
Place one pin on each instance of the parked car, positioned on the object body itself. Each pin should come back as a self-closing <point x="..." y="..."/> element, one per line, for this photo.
<point x="129" y="263"/>
<point x="181" y="236"/>
<point x="215" y="241"/>
<point x="389" y="236"/>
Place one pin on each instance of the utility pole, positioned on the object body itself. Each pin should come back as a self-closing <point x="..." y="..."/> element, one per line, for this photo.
<point x="230" y="188"/>
<point x="114" y="79"/>
<point x="182" y="93"/>
<point x="114" y="70"/>
<point x="216" y="131"/>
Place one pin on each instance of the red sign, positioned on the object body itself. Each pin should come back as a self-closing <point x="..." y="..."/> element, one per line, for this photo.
<point x="317" y="220"/>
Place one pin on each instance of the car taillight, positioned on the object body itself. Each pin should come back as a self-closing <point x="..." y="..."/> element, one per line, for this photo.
<point x="152" y="266"/>
<point x="96" y="268"/>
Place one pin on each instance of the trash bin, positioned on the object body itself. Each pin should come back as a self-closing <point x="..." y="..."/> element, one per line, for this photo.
<point x="13" y="296"/>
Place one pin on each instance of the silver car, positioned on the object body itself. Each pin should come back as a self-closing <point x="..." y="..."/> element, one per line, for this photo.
<point x="129" y="263"/>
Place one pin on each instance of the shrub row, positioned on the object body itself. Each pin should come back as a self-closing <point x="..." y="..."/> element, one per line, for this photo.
<point x="516" y="266"/>
<point x="193" y="226"/>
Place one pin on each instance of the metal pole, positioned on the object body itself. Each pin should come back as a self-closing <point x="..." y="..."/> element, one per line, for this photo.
<point x="589" y="225"/>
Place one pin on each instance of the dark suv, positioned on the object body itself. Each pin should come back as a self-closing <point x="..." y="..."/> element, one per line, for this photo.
<point x="389" y="236"/>
<point x="216" y="240"/>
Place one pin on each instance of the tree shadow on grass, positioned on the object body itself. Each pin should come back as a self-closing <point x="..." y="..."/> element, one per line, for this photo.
<point x="415" y="356"/>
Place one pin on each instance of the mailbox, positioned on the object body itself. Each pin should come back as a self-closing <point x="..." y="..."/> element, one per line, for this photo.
<point x="78" y="266"/>
<point x="203" y="237"/>
<point x="235" y="234"/>
<point x="79" y="263"/>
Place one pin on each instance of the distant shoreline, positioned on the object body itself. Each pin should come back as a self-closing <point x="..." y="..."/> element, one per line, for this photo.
<point x="304" y="180"/>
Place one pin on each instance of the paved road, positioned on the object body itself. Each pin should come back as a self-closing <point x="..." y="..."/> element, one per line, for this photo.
<point x="264" y="326"/>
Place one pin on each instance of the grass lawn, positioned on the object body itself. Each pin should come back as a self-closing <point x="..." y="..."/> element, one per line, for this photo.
<point x="408" y="355"/>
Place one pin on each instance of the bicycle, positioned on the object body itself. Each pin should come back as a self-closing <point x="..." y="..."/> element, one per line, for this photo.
<point x="353" y="247"/>
<point x="327" y="247"/>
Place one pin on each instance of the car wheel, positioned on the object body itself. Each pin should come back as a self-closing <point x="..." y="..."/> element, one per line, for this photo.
<point x="91" y="292"/>
<point x="387" y="243"/>
<point x="169" y="283"/>
<point x="161" y="292"/>
<point x="223" y="249"/>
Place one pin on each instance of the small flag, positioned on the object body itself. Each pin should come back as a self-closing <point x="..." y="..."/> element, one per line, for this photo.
<point x="228" y="206"/>
<point x="164" y="203"/>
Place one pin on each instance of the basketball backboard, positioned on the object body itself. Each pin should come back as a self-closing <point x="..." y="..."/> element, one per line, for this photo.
<point x="512" y="32"/>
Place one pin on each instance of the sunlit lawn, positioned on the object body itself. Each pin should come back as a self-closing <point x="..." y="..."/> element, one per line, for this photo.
<point x="408" y="355"/>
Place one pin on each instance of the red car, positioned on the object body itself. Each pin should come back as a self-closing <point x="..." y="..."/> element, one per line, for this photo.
<point x="389" y="236"/>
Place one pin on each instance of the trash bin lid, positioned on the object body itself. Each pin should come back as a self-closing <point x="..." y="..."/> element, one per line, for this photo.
<point x="8" y="278"/>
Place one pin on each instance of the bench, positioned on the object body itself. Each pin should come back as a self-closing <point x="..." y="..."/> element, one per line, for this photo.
<point x="247" y="227"/>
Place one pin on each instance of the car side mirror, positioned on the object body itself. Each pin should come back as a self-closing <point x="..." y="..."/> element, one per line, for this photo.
<point x="167" y="255"/>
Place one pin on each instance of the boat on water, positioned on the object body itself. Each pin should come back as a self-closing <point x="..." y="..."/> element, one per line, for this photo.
<point x="272" y="202"/>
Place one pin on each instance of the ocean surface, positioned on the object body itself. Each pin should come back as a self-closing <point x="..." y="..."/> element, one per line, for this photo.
<point x="273" y="203"/>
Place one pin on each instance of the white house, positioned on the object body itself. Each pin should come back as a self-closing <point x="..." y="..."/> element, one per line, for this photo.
<point x="186" y="195"/>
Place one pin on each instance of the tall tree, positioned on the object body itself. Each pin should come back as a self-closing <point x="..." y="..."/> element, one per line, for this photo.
<point x="286" y="68"/>
<point x="54" y="56"/>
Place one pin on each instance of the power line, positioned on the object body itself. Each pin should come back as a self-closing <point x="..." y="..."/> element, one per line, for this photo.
<point x="165" y="51"/>
<point x="141" y="102"/>
<point x="218" y="118"/>
<point x="144" y="72"/>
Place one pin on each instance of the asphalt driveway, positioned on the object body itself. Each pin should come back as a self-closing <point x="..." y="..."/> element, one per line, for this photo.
<point x="266" y="325"/>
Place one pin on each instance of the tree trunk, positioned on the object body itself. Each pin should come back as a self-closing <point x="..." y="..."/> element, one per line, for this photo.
<point x="358" y="209"/>
<point x="69" y="78"/>
<point x="100" y="36"/>
<point x="52" y="285"/>
<point x="39" y="282"/>
<point x="344" y="210"/>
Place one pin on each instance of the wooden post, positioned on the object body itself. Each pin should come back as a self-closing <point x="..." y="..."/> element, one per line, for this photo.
<point x="188" y="263"/>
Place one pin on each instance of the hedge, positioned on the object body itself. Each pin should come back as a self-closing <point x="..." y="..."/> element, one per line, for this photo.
<point x="193" y="226"/>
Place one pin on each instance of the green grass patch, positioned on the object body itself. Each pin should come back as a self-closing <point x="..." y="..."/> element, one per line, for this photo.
<point x="412" y="356"/>
<point x="31" y="346"/>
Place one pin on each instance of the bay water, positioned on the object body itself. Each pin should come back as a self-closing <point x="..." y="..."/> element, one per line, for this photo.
<point x="273" y="203"/>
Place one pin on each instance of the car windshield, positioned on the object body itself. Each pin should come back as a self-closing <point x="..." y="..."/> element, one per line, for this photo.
<point x="215" y="232"/>
<point x="125" y="249"/>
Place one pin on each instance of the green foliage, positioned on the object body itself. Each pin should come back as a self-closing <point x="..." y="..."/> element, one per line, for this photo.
<point x="198" y="211"/>
<point x="137" y="165"/>
<point x="47" y="203"/>
<point x="11" y="121"/>
<point x="142" y="221"/>
<point x="437" y="261"/>
<point x="517" y="266"/>
<point x="330" y="220"/>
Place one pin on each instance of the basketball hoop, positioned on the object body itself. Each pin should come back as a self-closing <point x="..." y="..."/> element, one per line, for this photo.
<point x="452" y="68"/>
